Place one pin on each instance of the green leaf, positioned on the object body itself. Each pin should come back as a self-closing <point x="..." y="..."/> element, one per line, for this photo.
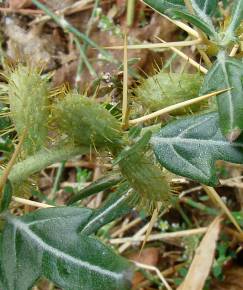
<point x="227" y="72"/>
<point x="177" y="9"/>
<point x="204" y="7"/>
<point x="115" y="207"/>
<point x="2" y="282"/>
<point x="162" y="5"/>
<point x="46" y="243"/>
<point x="237" y="17"/>
<point x="100" y="184"/>
<point x="6" y="196"/>
<point x="190" y="146"/>
<point x="204" y="24"/>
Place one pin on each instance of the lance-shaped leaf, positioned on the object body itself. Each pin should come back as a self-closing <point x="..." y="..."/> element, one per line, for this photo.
<point x="162" y="5"/>
<point x="176" y="8"/>
<point x="100" y="184"/>
<point x="204" y="7"/>
<point x="204" y="24"/>
<point x="46" y="243"/>
<point x="190" y="146"/>
<point x="237" y="16"/>
<point x="227" y="72"/>
<point x="116" y="206"/>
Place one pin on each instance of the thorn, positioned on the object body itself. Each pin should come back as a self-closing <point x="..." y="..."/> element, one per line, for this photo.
<point x="233" y="135"/>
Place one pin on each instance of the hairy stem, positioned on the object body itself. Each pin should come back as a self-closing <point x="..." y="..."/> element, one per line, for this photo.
<point x="33" y="164"/>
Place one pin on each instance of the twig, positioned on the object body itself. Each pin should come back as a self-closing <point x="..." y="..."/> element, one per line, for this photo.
<point x="162" y="236"/>
<point x="75" y="7"/>
<point x="156" y="270"/>
<point x="157" y="45"/>
<point x="137" y="235"/>
<point x="175" y="107"/>
<point x="21" y="11"/>
<point x="126" y="227"/>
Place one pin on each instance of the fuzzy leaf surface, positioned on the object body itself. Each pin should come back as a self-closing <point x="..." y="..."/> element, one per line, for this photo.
<point x="237" y="17"/>
<point x="162" y="5"/>
<point x="227" y="72"/>
<point x="204" y="7"/>
<point x="6" y="196"/>
<point x="116" y="206"/>
<point x="46" y="243"/>
<point x="203" y="23"/>
<point x="176" y="8"/>
<point x="190" y="146"/>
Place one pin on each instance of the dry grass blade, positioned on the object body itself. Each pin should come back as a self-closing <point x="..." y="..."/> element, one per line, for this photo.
<point x="156" y="270"/>
<point x="202" y="262"/>
<point x="30" y="202"/>
<point x="151" y="224"/>
<point x="157" y="45"/>
<point x="125" y="85"/>
<point x="212" y="193"/>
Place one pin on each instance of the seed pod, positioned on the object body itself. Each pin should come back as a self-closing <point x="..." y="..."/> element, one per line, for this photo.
<point x="28" y="98"/>
<point x="86" y="122"/>
<point x="165" y="89"/>
<point x="145" y="177"/>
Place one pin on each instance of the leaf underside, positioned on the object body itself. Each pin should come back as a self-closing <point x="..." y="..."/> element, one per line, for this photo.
<point x="46" y="243"/>
<point x="227" y="73"/>
<point x="190" y="146"/>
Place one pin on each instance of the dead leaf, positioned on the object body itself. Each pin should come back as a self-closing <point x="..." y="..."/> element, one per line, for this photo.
<point x="17" y="4"/>
<point x="203" y="259"/>
<point x="28" y="45"/>
<point x="233" y="280"/>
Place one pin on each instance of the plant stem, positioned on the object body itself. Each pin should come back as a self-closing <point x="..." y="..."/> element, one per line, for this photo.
<point x="33" y="164"/>
<point x="58" y="177"/>
<point x="83" y="49"/>
<point x="7" y="170"/>
<point x="125" y="80"/>
<point x="172" y="108"/>
<point x="83" y="59"/>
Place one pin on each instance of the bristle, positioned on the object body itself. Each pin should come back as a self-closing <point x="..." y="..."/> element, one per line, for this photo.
<point x="165" y="89"/>
<point x="28" y="94"/>
<point x="85" y="121"/>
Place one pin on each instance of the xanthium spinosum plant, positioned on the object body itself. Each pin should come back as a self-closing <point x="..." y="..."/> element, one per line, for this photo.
<point x="55" y="125"/>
